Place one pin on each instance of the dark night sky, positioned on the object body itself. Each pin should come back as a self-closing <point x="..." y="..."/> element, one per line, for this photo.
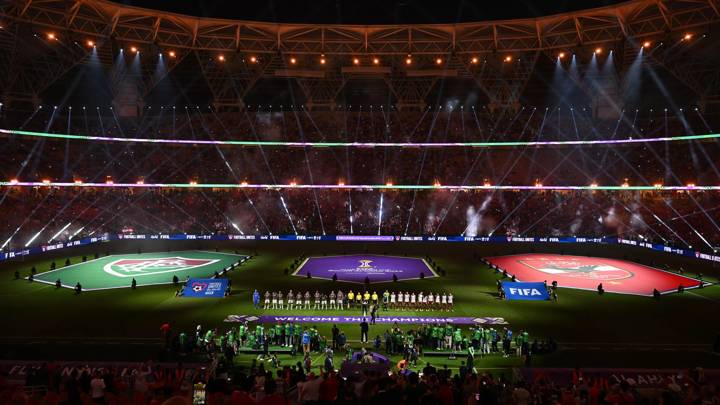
<point x="369" y="11"/>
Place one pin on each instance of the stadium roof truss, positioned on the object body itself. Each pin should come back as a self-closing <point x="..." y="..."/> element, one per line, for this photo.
<point x="27" y="74"/>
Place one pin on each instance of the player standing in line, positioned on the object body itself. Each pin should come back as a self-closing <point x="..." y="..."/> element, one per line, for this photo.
<point x="340" y="300"/>
<point x="392" y="300"/>
<point x="307" y="300"/>
<point x="316" y="303"/>
<point x="351" y="298"/>
<point x="291" y="300"/>
<point x="400" y="301"/>
<point x="431" y="301"/>
<point x="444" y="302"/>
<point x="324" y="301"/>
<point x="256" y="299"/>
<point x="298" y="300"/>
<point x="332" y="299"/>
<point x="450" y="302"/>
<point x="281" y="301"/>
<point x="274" y="300"/>
<point x="421" y="301"/>
<point x="407" y="299"/>
<point x="267" y="300"/>
<point x="385" y="300"/>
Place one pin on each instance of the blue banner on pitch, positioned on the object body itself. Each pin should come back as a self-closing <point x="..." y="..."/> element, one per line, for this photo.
<point x="206" y="287"/>
<point x="525" y="291"/>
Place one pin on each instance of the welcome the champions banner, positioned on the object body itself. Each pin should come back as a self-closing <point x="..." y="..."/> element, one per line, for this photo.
<point x="357" y="319"/>
<point x="205" y="287"/>
<point x="525" y="291"/>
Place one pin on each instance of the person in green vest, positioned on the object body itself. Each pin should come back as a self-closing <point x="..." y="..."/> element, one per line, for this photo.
<point x="288" y="334"/>
<point x="209" y="336"/>
<point x="223" y="342"/>
<point x="437" y="337"/>
<point x="279" y="329"/>
<point x="252" y="341"/>
<point x="477" y="337"/>
<point x="242" y="334"/>
<point x="518" y="344"/>
<point x="457" y="339"/>
<point x="298" y="334"/>
<point x="386" y="299"/>
<point x="270" y="336"/>
<point x="486" y="339"/>
<point x="448" y="334"/>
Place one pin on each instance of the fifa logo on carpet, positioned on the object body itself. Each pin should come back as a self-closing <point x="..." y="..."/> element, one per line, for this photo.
<point x="365" y="264"/>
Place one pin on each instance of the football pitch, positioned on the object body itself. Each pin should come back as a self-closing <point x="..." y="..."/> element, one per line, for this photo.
<point x="118" y="271"/>
<point x="603" y="331"/>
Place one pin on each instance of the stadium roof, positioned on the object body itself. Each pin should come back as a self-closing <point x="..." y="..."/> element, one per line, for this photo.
<point x="369" y="11"/>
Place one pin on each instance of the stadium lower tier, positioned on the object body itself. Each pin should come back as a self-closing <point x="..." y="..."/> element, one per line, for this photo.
<point x="43" y="215"/>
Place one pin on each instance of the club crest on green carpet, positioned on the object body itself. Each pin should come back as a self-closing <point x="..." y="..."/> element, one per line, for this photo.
<point x="152" y="266"/>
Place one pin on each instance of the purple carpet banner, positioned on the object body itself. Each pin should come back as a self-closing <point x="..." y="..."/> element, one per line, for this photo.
<point x="355" y="268"/>
<point x="357" y="319"/>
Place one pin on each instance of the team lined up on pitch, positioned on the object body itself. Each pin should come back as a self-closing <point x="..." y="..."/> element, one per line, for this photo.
<point x="322" y="301"/>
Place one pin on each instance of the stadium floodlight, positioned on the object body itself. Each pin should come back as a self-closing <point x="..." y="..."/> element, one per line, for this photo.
<point x="356" y="61"/>
<point x="91" y="43"/>
<point x="646" y="44"/>
<point x="59" y="232"/>
<point x="293" y="61"/>
<point x="172" y="54"/>
<point x="34" y="237"/>
<point x="51" y="36"/>
<point x="687" y="36"/>
<point x="474" y="60"/>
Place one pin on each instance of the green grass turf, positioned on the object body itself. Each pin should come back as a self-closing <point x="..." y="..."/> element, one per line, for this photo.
<point x="613" y="329"/>
<point x="99" y="274"/>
